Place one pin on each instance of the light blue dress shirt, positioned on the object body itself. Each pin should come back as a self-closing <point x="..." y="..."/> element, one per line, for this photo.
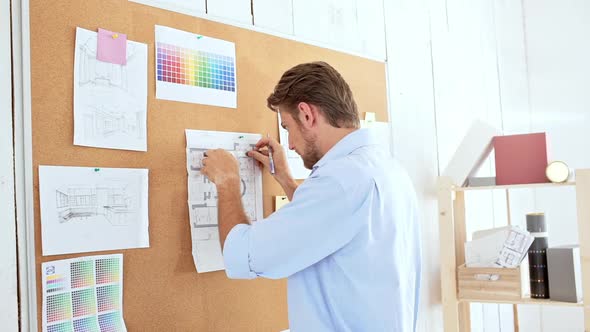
<point x="348" y="242"/>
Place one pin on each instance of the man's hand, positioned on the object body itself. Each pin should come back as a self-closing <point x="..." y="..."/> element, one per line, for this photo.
<point x="221" y="167"/>
<point x="282" y="172"/>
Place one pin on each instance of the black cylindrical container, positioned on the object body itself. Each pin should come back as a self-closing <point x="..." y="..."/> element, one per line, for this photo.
<point x="536" y="225"/>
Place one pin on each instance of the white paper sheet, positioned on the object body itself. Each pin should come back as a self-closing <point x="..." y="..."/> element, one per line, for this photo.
<point x="83" y="294"/>
<point x="202" y="194"/>
<point x="188" y="7"/>
<point x="195" y="69"/>
<point x="298" y="170"/>
<point x="498" y="247"/>
<point x="110" y="100"/>
<point x="91" y="209"/>
<point x="381" y="129"/>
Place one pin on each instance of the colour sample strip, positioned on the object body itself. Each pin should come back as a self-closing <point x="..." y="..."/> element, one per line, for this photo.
<point x="111" y="322"/>
<point x="108" y="297"/>
<point x="59" y="307"/>
<point x="61" y="327"/>
<point x="84" y="302"/>
<point x="82" y="273"/>
<point x="195" y="68"/>
<point x="107" y="270"/>
<point x="56" y="283"/>
<point x="88" y="324"/>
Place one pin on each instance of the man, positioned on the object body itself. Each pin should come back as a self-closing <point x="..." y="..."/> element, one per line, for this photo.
<point x="349" y="239"/>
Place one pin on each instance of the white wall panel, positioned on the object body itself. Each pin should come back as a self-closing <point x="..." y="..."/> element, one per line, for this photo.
<point x="412" y="118"/>
<point x="371" y="27"/>
<point x="275" y="15"/>
<point x="333" y="22"/>
<point x="232" y="10"/>
<point x="558" y="48"/>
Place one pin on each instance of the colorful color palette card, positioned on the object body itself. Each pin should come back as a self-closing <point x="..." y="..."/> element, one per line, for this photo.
<point x="195" y="69"/>
<point x="83" y="294"/>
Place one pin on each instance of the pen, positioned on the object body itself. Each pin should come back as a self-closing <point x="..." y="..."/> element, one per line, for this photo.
<point x="272" y="162"/>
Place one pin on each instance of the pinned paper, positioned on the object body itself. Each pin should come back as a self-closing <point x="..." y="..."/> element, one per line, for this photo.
<point x="370" y="118"/>
<point x="280" y="201"/>
<point x="112" y="47"/>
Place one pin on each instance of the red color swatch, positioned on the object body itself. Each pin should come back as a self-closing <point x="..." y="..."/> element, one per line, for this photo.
<point x="521" y="159"/>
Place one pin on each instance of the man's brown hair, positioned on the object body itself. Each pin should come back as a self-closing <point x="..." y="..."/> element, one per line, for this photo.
<point x="319" y="84"/>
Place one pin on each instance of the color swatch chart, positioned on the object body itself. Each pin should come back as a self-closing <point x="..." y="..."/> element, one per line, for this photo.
<point x="83" y="294"/>
<point x="194" y="68"/>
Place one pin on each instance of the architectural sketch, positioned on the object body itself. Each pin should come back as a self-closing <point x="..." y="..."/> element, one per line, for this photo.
<point x="90" y="209"/>
<point x="95" y="72"/>
<point x="202" y="194"/>
<point x="80" y="203"/>
<point x="104" y="122"/>
<point x="110" y="100"/>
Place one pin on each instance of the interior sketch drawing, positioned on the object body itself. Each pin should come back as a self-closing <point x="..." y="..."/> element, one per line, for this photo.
<point x="95" y="72"/>
<point x="110" y="100"/>
<point x="84" y="203"/>
<point x="105" y="121"/>
<point x="91" y="209"/>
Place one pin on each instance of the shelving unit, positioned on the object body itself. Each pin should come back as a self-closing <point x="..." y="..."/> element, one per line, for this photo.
<point x="452" y="226"/>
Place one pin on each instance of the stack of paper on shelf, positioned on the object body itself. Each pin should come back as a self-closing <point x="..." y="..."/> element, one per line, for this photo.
<point x="498" y="247"/>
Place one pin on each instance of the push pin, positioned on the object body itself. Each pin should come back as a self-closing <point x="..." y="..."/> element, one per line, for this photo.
<point x="97" y="169"/>
<point x="115" y="35"/>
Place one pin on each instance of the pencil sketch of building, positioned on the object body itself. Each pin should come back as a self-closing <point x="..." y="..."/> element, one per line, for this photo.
<point x="104" y="121"/>
<point x="95" y="72"/>
<point x="84" y="203"/>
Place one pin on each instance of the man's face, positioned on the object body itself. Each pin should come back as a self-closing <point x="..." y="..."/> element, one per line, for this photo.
<point x="301" y="140"/>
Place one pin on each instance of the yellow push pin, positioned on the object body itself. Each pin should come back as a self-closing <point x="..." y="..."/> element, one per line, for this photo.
<point x="115" y="36"/>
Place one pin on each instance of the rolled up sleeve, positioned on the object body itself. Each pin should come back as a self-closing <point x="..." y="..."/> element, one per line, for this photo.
<point x="236" y="256"/>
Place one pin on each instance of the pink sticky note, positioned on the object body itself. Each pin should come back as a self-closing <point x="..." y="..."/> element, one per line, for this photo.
<point x="112" y="47"/>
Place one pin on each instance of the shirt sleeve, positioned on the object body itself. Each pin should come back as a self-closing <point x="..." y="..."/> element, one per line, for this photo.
<point x="322" y="218"/>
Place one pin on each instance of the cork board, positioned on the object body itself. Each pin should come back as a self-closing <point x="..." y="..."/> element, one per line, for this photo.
<point x="161" y="287"/>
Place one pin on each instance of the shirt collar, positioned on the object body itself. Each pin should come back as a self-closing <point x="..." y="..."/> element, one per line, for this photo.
<point x="349" y="143"/>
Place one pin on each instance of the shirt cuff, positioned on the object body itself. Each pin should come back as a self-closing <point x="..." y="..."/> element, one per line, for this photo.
<point x="236" y="253"/>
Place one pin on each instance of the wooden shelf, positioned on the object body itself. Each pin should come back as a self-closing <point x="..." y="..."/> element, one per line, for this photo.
<point x="527" y="301"/>
<point x="516" y="186"/>
<point x="453" y="234"/>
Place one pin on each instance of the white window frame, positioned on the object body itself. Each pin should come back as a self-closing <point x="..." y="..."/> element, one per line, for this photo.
<point x="23" y="164"/>
<point x="8" y="261"/>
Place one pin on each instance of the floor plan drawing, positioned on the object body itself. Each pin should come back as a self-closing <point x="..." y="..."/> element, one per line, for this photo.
<point x="88" y="209"/>
<point x="202" y="194"/>
<point x="110" y="100"/>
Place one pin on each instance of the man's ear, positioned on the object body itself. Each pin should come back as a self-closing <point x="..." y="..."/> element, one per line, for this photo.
<point x="308" y="114"/>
